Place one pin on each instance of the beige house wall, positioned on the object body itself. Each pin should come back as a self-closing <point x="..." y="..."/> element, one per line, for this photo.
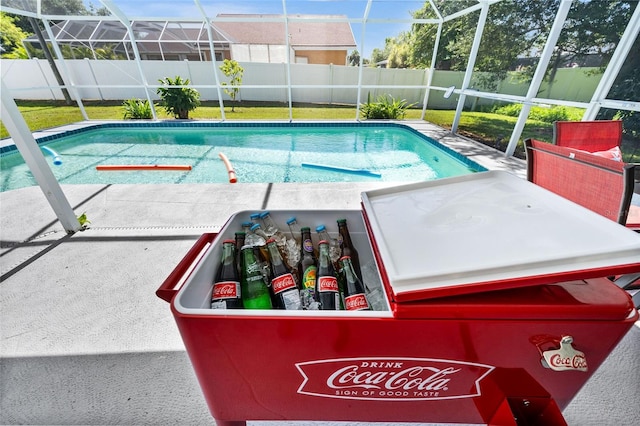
<point x="336" y="57"/>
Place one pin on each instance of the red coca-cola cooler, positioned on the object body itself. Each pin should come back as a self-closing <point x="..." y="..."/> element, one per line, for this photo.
<point x="495" y="309"/>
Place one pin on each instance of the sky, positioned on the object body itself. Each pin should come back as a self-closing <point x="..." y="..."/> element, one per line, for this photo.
<point x="375" y="34"/>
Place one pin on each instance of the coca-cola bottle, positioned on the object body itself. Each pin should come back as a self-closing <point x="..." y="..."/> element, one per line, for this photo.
<point x="307" y="270"/>
<point x="283" y="285"/>
<point x="255" y="289"/>
<point x="226" y="293"/>
<point x="327" y="289"/>
<point x="347" y="248"/>
<point x="354" y="297"/>
<point x="334" y="246"/>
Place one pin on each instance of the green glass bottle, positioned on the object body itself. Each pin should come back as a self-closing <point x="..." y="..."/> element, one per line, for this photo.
<point x="255" y="292"/>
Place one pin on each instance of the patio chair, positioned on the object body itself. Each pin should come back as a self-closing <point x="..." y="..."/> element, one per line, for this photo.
<point x="591" y="136"/>
<point x="600" y="184"/>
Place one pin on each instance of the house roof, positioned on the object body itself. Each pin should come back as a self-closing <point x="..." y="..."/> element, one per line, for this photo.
<point x="304" y="32"/>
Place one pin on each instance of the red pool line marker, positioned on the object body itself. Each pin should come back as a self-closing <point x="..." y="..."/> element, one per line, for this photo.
<point x="227" y="164"/>
<point x="119" y="167"/>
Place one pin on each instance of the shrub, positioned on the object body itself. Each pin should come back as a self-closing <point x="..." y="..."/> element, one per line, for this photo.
<point x="546" y="115"/>
<point x="385" y="108"/>
<point x="136" y="109"/>
<point x="178" y="101"/>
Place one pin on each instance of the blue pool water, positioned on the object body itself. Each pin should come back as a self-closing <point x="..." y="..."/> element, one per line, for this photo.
<point x="258" y="153"/>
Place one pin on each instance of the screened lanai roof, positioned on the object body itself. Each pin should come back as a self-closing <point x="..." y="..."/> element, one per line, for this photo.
<point x="372" y="22"/>
<point x="155" y="39"/>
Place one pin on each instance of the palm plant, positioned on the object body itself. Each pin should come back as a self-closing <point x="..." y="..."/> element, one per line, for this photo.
<point x="177" y="99"/>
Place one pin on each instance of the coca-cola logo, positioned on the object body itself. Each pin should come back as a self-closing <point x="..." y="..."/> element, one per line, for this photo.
<point x="565" y="358"/>
<point x="576" y="362"/>
<point x="398" y="379"/>
<point x="282" y="283"/>
<point x="327" y="284"/>
<point x="357" y="302"/>
<point x="225" y="290"/>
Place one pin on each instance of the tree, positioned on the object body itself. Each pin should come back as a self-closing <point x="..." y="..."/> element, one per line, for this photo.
<point x="354" y="58"/>
<point x="234" y="71"/>
<point x="11" y="37"/>
<point x="399" y="51"/>
<point x="517" y="28"/>
<point x="378" y="55"/>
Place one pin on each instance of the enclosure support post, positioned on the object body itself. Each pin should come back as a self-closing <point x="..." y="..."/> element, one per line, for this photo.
<point x="288" y="39"/>
<point x="434" y="57"/>
<point x="134" y="45"/>
<point x="365" y="17"/>
<point x="63" y="64"/>
<point x="34" y="158"/>
<point x="538" y="76"/>
<point x="472" y="61"/>
<point x="615" y="64"/>
<point x="213" y="58"/>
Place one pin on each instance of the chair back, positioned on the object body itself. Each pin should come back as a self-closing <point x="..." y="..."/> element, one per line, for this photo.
<point x="592" y="136"/>
<point x="600" y="184"/>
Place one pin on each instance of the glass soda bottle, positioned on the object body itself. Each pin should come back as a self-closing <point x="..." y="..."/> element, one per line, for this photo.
<point x="334" y="246"/>
<point x="271" y="229"/>
<point x="227" y="293"/>
<point x="292" y="246"/>
<point x="327" y="289"/>
<point x="354" y="297"/>
<point x="283" y="285"/>
<point x="240" y="236"/>
<point x="294" y="229"/>
<point x="347" y="248"/>
<point x="307" y="271"/>
<point x="255" y="290"/>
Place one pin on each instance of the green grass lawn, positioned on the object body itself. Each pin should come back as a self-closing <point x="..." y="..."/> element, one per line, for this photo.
<point x="491" y="129"/>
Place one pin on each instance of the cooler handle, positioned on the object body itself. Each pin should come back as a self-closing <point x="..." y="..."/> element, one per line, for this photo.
<point x="168" y="289"/>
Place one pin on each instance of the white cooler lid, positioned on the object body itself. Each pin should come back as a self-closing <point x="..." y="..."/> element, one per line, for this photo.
<point x="488" y="231"/>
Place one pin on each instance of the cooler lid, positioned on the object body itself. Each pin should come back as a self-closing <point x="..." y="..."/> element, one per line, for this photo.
<point x="489" y="231"/>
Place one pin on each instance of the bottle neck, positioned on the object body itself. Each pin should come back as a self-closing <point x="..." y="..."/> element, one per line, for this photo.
<point x="323" y="255"/>
<point x="344" y="234"/>
<point x="228" y="254"/>
<point x="347" y="268"/>
<point x="274" y="254"/>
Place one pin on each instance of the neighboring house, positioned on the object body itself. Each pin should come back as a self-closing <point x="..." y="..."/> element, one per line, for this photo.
<point x="245" y="38"/>
<point x="261" y="38"/>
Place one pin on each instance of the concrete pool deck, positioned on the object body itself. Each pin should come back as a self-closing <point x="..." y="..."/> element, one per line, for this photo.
<point x="84" y="339"/>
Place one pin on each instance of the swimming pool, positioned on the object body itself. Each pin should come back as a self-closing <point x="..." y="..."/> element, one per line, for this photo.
<point x="258" y="152"/>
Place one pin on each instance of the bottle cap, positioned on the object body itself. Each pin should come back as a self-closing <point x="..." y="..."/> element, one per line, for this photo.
<point x="229" y="241"/>
<point x="305" y="228"/>
<point x="323" y="242"/>
<point x="264" y="214"/>
<point x="291" y="220"/>
<point x="271" y="240"/>
<point x="255" y="226"/>
<point x="320" y="228"/>
<point x="345" y="257"/>
<point x="341" y="221"/>
<point x="254" y="216"/>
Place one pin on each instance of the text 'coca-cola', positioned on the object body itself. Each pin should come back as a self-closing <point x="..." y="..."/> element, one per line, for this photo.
<point x="398" y="379"/>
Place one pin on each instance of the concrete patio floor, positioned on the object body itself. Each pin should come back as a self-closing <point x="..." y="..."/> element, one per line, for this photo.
<point x="84" y="339"/>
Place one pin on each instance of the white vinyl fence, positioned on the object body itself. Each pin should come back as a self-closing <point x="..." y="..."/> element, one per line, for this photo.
<point x="326" y="84"/>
